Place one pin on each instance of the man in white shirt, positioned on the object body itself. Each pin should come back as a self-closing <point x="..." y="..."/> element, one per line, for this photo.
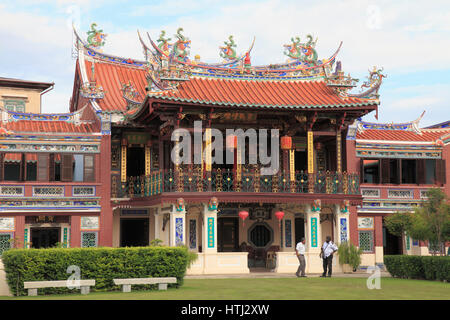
<point x="300" y="251"/>
<point x="326" y="253"/>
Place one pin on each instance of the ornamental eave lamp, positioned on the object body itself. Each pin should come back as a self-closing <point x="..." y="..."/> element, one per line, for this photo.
<point x="243" y="215"/>
<point x="279" y="215"/>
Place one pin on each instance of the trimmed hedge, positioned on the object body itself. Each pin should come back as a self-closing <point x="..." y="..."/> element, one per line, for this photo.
<point x="101" y="264"/>
<point x="419" y="267"/>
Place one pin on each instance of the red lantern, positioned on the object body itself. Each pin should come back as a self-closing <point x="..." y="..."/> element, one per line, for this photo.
<point x="279" y="215"/>
<point x="243" y="215"/>
<point x="286" y="143"/>
<point x="231" y="142"/>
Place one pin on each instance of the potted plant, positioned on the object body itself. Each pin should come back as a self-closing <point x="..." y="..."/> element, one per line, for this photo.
<point x="349" y="257"/>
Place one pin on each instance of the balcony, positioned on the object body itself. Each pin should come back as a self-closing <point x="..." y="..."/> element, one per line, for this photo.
<point x="248" y="181"/>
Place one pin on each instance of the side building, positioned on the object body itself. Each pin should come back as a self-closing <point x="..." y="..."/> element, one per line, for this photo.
<point x="397" y="164"/>
<point x="50" y="173"/>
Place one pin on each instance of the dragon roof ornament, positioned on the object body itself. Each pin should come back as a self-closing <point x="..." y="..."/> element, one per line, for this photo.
<point x="96" y="38"/>
<point x="304" y="52"/>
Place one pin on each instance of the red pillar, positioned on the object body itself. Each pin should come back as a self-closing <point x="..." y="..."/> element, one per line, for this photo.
<point x="19" y="232"/>
<point x="352" y="160"/>
<point x="353" y="225"/>
<point x="75" y="235"/>
<point x="378" y="231"/>
<point x="106" y="215"/>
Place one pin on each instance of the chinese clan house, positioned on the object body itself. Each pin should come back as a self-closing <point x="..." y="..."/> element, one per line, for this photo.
<point x="234" y="214"/>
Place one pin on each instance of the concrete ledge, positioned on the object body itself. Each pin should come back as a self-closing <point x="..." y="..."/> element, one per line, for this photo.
<point x="145" y="280"/>
<point x="162" y="282"/>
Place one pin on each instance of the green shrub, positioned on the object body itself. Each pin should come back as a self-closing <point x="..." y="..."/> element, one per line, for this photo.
<point x="101" y="264"/>
<point x="419" y="267"/>
<point x="349" y="254"/>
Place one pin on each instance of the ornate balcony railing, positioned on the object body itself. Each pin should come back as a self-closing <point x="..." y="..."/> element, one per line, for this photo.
<point x="231" y="181"/>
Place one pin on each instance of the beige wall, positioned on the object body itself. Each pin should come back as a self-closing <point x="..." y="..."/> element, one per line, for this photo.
<point x="33" y="98"/>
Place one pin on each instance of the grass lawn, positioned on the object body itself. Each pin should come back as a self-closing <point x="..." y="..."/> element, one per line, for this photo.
<point x="277" y="289"/>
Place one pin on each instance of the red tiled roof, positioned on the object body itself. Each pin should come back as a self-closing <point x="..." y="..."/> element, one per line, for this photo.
<point x="48" y="127"/>
<point x="226" y="92"/>
<point x="401" y="135"/>
<point x="253" y="93"/>
<point x="111" y="77"/>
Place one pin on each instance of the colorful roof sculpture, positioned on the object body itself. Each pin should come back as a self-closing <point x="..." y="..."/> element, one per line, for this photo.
<point x="115" y="84"/>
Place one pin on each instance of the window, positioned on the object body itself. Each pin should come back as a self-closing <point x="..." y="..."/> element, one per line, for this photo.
<point x="366" y="241"/>
<point x="67" y="167"/>
<point x="430" y="171"/>
<point x="371" y="169"/>
<point x="409" y="171"/>
<point x="394" y="171"/>
<point x="42" y="167"/>
<point x="12" y="167"/>
<point x="14" y="104"/>
<point x="89" y="164"/>
<point x="89" y="239"/>
<point x="5" y="243"/>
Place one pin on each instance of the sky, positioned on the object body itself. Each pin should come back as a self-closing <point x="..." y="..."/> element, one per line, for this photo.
<point x="410" y="40"/>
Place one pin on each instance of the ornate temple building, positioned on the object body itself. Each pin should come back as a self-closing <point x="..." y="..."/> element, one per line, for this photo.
<point x="115" y="171"/>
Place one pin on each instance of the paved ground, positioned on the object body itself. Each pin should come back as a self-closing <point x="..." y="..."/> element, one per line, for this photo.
<point x="263" y="273"/>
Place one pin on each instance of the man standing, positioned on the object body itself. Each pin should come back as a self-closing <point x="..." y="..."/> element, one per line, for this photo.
<point x="326" y="253"/>
<point x="300" y="251"/>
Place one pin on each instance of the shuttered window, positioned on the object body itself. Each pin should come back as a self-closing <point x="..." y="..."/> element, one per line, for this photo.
<point x="89" y="174"/>
<point x="42" y="169"/>
<point x="440" y="172"/>
<point x="66" y="167"/>
<point x="385" y="171"/>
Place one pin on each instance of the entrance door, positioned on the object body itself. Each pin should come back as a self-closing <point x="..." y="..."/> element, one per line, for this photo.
<point x="135" y="161"/>
<point x="299" y="229"/>
<point x="391" y="244"/>
<point x="227" y="234"/>
<point x="44" y="237"/>
<point x="134" y="232"/>
<point x="301" y="161"/>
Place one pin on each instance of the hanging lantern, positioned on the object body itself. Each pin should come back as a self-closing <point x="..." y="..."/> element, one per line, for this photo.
<point x="231" y="142"/>
<point x="286" y="143"/>
<point x="243" y="215"/>
<point x="279" y="215"/>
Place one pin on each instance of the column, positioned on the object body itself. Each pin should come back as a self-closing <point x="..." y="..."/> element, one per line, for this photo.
<point x="178" y="224"/>
<point x="338" y="151"/>
<point x="313" y="236"/>
<point x="209" y="234"/>
<point x="378" y="239"/>
<point x="288" y="232"/>
<point x="156" y="214"/>
<point x="313" y="232"/>
<point x="341" y="227"/>
<point x="123" y="161"/>
<point x="75" y="232"/>
<point x="19" y="232"/>
<point x="310" y="148"/>
<point x="148" y="158"/>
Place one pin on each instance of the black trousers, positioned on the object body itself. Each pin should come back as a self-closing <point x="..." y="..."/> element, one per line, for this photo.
<point x="327" y="264"/>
